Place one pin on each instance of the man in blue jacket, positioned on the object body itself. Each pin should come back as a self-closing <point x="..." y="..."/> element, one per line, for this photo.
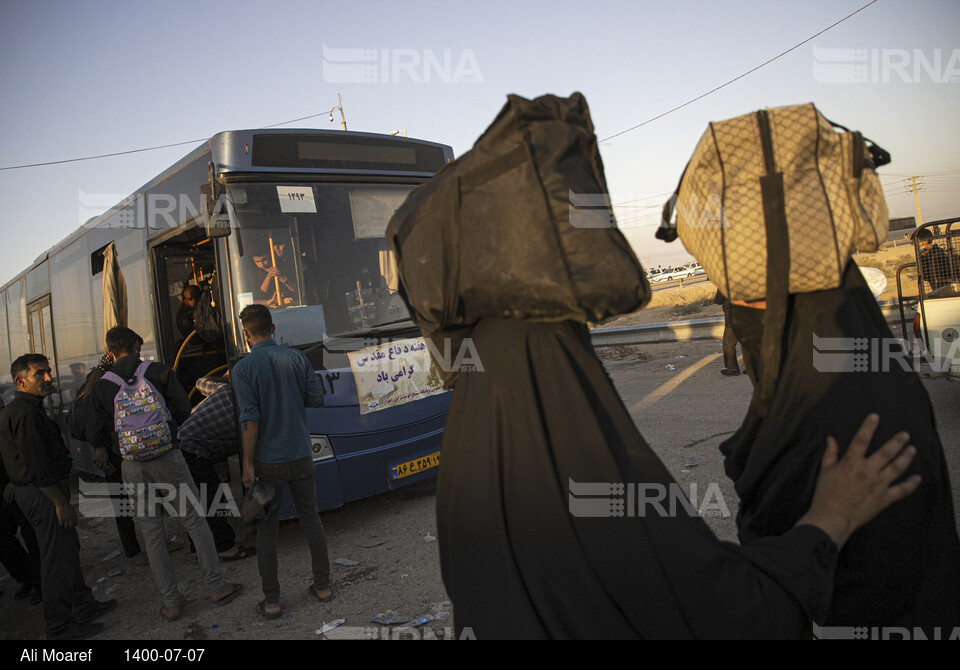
<point x="273" y="384"/>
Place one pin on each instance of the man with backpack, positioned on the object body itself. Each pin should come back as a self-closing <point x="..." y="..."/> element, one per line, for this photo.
<point x="107" y="460"/>
<point x="135" y="408"/>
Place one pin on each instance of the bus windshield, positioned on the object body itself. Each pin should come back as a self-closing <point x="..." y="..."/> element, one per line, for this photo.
<point x="316" y="256"/>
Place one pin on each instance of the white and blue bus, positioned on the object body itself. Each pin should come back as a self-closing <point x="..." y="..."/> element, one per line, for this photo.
<point x="313" y="204"/>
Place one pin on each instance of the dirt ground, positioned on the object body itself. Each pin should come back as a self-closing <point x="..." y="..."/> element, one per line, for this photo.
<point x="391" y="539"/>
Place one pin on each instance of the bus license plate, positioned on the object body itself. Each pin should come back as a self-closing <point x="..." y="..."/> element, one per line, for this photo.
<point x="415" y="466"/>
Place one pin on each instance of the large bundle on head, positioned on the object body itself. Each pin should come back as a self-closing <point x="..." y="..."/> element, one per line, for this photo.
<point x="775" y="202"/>
<point x="503" y="231"/>
<point x="779" y="189"/>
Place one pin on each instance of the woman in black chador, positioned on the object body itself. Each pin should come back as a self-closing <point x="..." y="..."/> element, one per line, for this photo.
<point x="840" y="361"/>
<point x="537" y="503"/>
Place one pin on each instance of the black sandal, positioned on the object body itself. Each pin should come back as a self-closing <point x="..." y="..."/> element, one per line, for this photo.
<point x="261" y="608"/>
<point x="242" y="553"/>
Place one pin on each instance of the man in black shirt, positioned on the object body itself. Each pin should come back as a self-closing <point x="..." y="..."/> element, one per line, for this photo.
<point x="936" y="265"/>
<point x="38" y="463"/>
<point x="23" y="565"/>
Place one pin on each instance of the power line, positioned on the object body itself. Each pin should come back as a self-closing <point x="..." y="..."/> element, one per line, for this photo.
<point x="714" y="90"/>
<point x="928" y="174"/>
<point x="135" y="151"/>
<point x="303" y="118"/>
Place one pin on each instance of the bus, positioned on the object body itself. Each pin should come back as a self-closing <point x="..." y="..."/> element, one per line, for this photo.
<point x="292" y="219"/>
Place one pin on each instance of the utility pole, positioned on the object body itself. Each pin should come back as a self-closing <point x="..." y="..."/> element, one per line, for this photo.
<point x="916" y="198"/>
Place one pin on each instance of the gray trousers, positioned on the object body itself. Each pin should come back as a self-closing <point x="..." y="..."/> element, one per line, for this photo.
<point x="65" y="593"/>
<point x="300" y="476"/>
<point x="163" y="484"/>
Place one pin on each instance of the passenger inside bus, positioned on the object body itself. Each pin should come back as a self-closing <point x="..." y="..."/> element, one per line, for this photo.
<point x="276" y="284"/>
<point x="204" y="352"/>
<point x="329" y="257"/>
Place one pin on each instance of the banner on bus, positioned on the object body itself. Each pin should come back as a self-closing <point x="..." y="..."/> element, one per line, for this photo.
<point x="393" y="374"/>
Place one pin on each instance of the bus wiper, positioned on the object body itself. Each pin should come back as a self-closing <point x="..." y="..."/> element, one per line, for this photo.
<point x="355" y="340"/>
<point x="388" y="326"/>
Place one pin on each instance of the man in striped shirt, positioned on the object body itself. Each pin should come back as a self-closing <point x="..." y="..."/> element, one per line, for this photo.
<point x="207" y="438"/>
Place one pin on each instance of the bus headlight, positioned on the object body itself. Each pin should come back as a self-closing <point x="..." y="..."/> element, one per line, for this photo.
<point x="321" y="448"/>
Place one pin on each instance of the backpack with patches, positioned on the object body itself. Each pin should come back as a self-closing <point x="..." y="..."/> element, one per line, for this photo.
<point x="140" y="417"/>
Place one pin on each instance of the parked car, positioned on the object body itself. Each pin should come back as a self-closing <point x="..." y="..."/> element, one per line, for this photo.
<point x="680" y="272"/>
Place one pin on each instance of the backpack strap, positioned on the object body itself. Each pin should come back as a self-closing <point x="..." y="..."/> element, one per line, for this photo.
<point x="668" y="226"/>
<point x="111" y="376"/>
<point x="778" y="269"/>
<point x="879" y="155"/>
<point x="142" y="369"/>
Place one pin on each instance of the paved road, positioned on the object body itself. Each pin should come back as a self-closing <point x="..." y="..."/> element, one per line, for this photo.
<point x="687" y="412"/>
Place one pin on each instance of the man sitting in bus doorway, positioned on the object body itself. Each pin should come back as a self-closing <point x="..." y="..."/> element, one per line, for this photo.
<point x="198" y="313"/>
<point x="203" y="316"/>
<point x="38" y="464"/>
<point x="273" y="384"/>
<point x="165" y="476"/>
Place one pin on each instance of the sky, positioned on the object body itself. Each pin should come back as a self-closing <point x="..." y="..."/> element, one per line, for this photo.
<point x="81" y="79"/>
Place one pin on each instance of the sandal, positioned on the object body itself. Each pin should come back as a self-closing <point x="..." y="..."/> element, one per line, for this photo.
<point x="261" y="608"/>
<point x="170" y="617"/>
<point x="316" y="595"/>
<point x="229" y="598"/>
<point x="242" y="553"/>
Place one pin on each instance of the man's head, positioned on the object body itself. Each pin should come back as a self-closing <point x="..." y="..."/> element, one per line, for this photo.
<point x="261" y="258"/>
<point x="122" y="342"/>
<point x="257" y="323"/>
<point x="31" y="374"/>
<point x="924" y="238"/>
<point x="190" y="295"/>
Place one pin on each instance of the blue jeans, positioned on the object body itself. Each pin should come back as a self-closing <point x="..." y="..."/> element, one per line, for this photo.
<point x="300" y="476"/>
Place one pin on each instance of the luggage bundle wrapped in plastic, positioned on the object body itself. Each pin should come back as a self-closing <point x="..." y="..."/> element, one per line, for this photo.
<point x="517" y="224"/>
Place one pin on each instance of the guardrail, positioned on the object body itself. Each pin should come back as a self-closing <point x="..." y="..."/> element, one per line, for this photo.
<point x="688" y="331"/>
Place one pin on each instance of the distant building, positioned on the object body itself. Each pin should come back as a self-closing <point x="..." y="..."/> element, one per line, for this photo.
<point x="901" y="228"/>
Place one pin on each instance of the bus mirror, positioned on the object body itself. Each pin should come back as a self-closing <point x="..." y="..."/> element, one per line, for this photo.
<point x="216" y="218"/>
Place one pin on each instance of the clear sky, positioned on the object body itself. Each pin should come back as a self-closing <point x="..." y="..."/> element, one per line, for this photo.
<point x="86" y="78"/>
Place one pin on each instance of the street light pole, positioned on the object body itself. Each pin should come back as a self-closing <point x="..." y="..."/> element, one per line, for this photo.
<point x="343" y="120"/>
